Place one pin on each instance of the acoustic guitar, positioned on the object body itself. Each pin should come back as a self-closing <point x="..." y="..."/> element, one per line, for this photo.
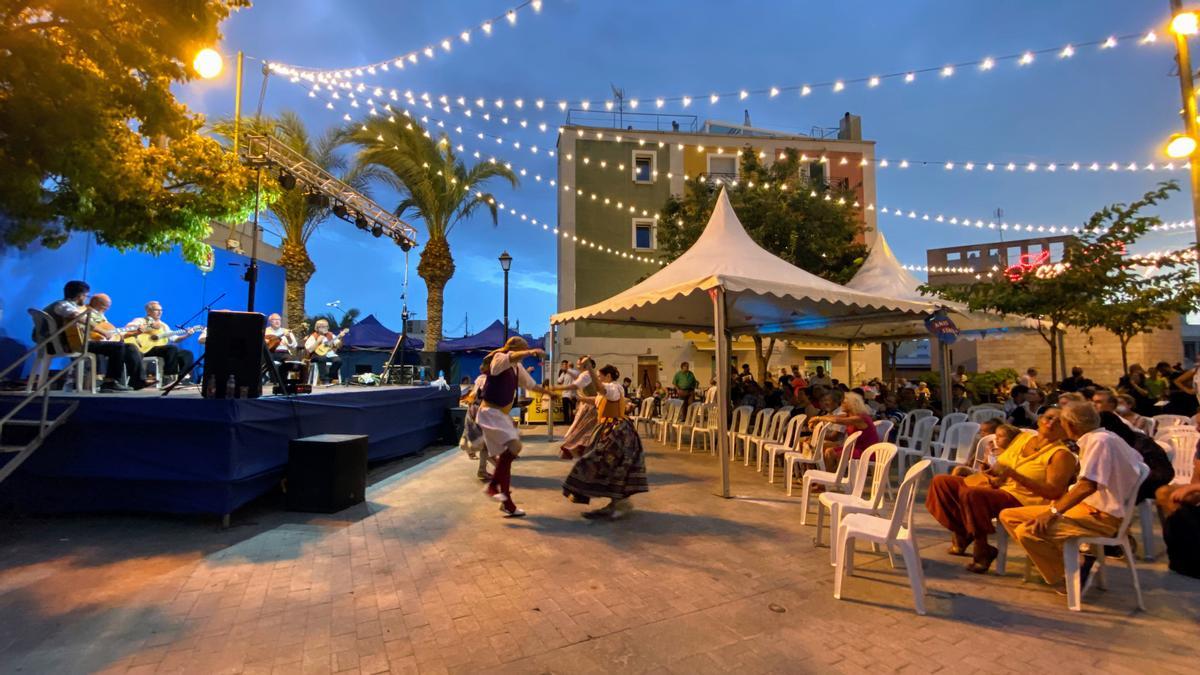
<point x="273" y="341"/>
<point x="149" y="339"/>
<point x="324" y="348"/>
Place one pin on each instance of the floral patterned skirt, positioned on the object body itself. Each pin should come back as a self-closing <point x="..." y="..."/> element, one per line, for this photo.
<point x="613" y="465"/>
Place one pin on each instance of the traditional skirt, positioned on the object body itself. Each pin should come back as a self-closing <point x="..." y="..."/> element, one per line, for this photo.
<point x="613" y="466"/>
<point x="579" y="436"/>
<point x="498" y="429"/>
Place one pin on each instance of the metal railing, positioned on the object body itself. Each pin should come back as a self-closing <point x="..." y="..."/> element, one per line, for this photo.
<point x="631" y="121"/>
<point x="45" y="425"/>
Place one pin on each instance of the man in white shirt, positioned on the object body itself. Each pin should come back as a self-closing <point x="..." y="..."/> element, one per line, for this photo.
<point x="176" y="360"/>
<point x="1108" y="474"/>
<point x="1029" y="379"/>
<point x="567" y="375"/>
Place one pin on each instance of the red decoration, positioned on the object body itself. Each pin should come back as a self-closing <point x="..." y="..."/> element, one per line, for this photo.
<point x="1025" y="264"/>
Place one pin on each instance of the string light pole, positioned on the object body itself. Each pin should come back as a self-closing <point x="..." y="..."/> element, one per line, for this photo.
<point x="1184" y="24"/>
<point x="505" y="264"/>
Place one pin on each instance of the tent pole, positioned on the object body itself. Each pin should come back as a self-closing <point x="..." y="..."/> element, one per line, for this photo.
<point x="944" y="352"/>
<point x="721" y="336"/>
<point x="548" y="372"/>
<point x="849" y="364"/>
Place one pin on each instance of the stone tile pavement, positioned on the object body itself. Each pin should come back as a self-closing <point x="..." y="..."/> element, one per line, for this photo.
<point x="427" y="577"/>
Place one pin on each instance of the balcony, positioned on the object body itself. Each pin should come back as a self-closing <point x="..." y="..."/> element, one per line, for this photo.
<point x="631" y="121"/>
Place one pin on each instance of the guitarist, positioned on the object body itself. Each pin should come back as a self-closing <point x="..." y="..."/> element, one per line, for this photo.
<point x="122" y="358"/>
<point x="322" y="347"/>
<point x="281" y="342"/>
<point x="176" y="359"/>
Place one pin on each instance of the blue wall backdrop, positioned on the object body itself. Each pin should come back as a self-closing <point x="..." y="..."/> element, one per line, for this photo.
<point x="35" y="277"/>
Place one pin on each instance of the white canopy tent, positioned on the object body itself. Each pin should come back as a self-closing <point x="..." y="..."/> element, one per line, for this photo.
<point x="725" y="283"/>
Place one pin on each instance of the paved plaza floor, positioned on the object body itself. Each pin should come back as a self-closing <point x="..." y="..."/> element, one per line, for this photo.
<point x="428" y="577"/>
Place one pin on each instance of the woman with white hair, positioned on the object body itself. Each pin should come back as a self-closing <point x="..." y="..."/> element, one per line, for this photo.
<point x="500" y="434"/>
<point x="855" y="416"/>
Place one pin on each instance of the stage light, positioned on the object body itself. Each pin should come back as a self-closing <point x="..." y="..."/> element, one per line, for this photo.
<point x="340" y="210"/>
<point x="208" y="63"/>
<point x="362" y="224"/>
<point x="318" y="200"/>
<point x="1180" y="146"/>
<point x="377" y="230"/>
<point x="287" y="181"/>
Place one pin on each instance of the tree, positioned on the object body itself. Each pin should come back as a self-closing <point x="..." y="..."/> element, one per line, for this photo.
<point x="348" y="319"/>
<point x="437" y="186"/>
<point x="1093" y="271"/>
<point x="1143" y="303"/>
<point x="298" y="215"/>
<point x="93" y="139"/>
<point x="809" y="223"/>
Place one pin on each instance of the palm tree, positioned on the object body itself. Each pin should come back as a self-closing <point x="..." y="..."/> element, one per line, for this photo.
<point x="296" y="213"/>
<point x="437" y="186"/>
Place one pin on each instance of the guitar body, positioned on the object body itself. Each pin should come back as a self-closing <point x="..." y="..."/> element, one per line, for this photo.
<point x="148" y="340"/>
<point x="273" y="342"/>
<point x="325" y="347"/>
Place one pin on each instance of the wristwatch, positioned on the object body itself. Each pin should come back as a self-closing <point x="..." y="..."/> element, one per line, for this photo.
<point x="1054" y="511"/>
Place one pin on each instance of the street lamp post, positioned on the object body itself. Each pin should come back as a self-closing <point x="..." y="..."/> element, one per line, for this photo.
<point x="505" y="264"/>
<point x="1183" y="25"/>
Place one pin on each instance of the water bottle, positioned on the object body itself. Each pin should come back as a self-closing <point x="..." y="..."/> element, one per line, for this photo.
<point x="230" y="387"/>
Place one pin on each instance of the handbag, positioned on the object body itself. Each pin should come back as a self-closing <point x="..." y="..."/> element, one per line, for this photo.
<point x="471" y="441"/>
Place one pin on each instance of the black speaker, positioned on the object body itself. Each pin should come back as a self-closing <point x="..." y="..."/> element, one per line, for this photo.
<point x="326" y="473"/>
<point x="233" y="355"/>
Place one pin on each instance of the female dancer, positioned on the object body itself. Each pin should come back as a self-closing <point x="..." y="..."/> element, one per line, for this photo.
<point x="613" y="464"/>
<point x="500" y="434"/>
<point x="580" y="434"/>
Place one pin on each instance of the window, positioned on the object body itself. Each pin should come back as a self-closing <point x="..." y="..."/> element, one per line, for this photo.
<point x="723" y="165"/>
<point x="814" y="173"/>
<point x="644" y="167"/>
<point x="644" y="234"/>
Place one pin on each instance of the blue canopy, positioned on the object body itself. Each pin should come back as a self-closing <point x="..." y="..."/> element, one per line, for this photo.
<point x="370" y="334"/>
<point x="486" y="340"/>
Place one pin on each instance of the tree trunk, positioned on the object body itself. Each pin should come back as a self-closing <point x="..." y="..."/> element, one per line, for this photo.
<point x="1124" y="353"/>
<point x="762" y="359"/>
<point x="298" y="268"/>
<point x="436" y="268"/>
<point x="1054" y="355"/>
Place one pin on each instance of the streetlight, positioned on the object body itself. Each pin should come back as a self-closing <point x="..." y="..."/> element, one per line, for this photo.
<point x="1183" y="24"/>
<point x="505" y="264"/>
<point x="208" y="63"/>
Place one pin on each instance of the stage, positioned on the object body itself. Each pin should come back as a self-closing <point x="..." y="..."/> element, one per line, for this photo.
<point x="181" y="453"/>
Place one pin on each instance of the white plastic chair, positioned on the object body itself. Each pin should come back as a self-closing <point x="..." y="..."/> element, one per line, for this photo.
<point x="739" y="423"/>
<point x="919" y="443"/>
<point x="904" y="436"/>
<point x="981" y="414"/>
<point x="834" y="481"/>
<point x="957" y="447"/>
<point x="1097" y="544"/>
<point x="944" y="428"/>
<point x="1180" y="442"/>
<point x="883" y="428"/>
<point x="1162" y="422"/>
<point x="689" y="422"/>
<point x="983" y="451"/>
<point x="672" y="411"/>
<point x="875" y="461"/>
<point x="158" y="363"/>
<point x="644" y="415"/>
<point x="776" y="427"/>
<point x="792" y="438"/>
<point x="757" y="428"/>
<point x="811" y="453"/>
<point x="43" y="326"/>
<point x="896" y="531"/>
<point x="708" y="431"/>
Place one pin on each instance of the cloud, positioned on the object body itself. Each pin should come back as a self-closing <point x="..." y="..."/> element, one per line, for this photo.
<point x="480" y="269"/>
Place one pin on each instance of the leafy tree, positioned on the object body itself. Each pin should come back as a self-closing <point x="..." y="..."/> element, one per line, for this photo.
<point x="298" y="215"/>
<point x="348" y="319"/>
<point x="93" y="139"/>
<point x="1139" y="303"/>
<point x="810" y="224"/>
<point x="437" y="186"/>
<point x="1093" y="271"/>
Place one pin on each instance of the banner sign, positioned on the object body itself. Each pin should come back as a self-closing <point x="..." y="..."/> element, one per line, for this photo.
<point x="940" y="326"/>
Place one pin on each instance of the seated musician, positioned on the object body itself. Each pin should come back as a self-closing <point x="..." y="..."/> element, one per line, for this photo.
<point x="122" y="358"/>
<point x="322" y="347"/>
<point x="280" y="341"/>
<point x="177" y="361"/>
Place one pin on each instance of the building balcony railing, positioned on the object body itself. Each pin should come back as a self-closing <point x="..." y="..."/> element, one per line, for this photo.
<point x="827" y="185"/>
<point x="631" y="121"/>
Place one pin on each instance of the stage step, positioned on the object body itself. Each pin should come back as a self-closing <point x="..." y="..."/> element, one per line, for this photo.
<point x="21" y="437"/>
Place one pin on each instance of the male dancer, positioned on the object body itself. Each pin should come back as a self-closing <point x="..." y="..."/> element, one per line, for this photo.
<point x="500" y="434"/>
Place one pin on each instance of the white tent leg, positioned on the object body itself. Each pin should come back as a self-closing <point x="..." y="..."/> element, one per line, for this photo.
<point x="551" y="353"/>
<point x="947" y="395"/>
<point x="721" y="336"/>
<point x="849" y="364"/>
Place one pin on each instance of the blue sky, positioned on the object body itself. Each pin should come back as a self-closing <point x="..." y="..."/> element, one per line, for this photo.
<point x="1110" y="105"/>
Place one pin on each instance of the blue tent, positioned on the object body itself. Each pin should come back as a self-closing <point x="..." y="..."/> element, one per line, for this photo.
<point x="485" y="340"/>
<point x="370" y="334"/>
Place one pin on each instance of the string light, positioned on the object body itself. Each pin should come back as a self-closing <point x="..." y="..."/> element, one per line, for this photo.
<point x="400" y="62"/>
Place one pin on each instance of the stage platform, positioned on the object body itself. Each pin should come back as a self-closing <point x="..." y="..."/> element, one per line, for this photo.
<point x="143" y="452"/>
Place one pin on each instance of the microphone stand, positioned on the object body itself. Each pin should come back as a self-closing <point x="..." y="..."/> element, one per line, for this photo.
<point x="198" y="361"/>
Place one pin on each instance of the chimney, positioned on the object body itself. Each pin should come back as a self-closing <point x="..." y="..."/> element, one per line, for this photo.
<point x="850" y="128"/>
<point x="746" y="118"/>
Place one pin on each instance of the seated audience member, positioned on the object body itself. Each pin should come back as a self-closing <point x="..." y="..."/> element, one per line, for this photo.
<point x="772" y="396"/>
<point x="1035" y="403"/>
<point x="1018" y="411"/>
<point x="710" y="394"/>
<point x="992" y="449"/>
<point x="1108" y="472"/>
<point x="1033" y="469"/>
<point x="1126" y="410"/>
<point x="1153" y="455"/>
<point x="854" y="416"/>
<point x="1076" y="381"/>
<point x="1179" y="507"/>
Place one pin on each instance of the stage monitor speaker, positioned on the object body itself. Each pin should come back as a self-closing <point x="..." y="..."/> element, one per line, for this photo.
<point x="326" y="473"/>
<point x="362" y="368"/>
<point x="233" y="355"/>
